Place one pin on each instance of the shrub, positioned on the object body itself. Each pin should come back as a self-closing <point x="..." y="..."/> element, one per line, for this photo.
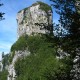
<point x="42" y="63"/>
<point x="3" y="75"/>
<point x="20" y="44"/>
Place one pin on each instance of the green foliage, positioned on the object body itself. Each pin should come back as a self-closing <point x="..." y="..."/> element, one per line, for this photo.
<point x="69" y="45"/>
<point x="11" y="55"/>
<point x="1" y="13"/>
<point x="2" y="54"/>
<point x="45" y="7"/>
<point x="5" y="61"/>
<point x="3" y="75"/>
<point x="34" y="43"/>
<point x="42" y="63"/>
<point x="20" y="44"/>
<point x="41" y="67"/>
<point x="70" y="20"/>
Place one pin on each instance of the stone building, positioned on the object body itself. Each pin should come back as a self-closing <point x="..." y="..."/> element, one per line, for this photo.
<point x="35" y="19"/>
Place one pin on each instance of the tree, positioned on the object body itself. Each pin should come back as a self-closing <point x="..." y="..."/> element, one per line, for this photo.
<point x="66" y="10"/>
<point x="69" y="19"/>
<point x="1" y="13"/>
<point x="2" y="54"/>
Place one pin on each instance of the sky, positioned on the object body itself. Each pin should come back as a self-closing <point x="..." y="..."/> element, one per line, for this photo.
<point x="8" y="27"/>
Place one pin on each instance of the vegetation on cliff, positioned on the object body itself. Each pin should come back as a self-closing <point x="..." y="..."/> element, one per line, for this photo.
<point x="43" y="66"/>
<point x="4" y="72"/>
<point x="43" y="6"/>
<point x="42" y="63"/>
<point x="20" y="44"/>
<point x="69" y="20"/>
<point x="3" y="75"/>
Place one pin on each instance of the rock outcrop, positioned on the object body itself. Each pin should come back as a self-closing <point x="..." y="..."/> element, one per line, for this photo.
<point x="75" y="72"/>
<point x="35" y="19"/>
<point x="11" y="69"/>
<point x="1" y="66"/>
<point x="61" y="54"/>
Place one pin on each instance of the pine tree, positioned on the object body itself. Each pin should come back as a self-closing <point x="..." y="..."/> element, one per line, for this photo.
<point x="1" y="13"/>
<point x="69" y="19"/>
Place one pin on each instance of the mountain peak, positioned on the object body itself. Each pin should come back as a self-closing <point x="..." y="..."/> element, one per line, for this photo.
<point x="35" y="19"/>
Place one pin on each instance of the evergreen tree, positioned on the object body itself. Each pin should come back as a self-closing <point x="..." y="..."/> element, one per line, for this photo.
<point x="1" y="13"/>
<point x="69" y="19"/>
<point x="66" y="10"/>
<point x="2" y="54"/>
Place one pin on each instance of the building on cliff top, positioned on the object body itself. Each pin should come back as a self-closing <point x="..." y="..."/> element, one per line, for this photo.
<point x="35" y="19"/>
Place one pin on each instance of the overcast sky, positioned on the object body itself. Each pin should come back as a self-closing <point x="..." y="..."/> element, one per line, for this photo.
<point x="8" y="27"/>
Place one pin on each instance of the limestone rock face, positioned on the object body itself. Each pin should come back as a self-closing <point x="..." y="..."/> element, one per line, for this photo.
<point x="34" y="19"/>
<point x="75" y="72"/>
<point x="61" y="54"/>
<point x="31" y="21"/>
<point x="1" y="66"/>
<point x="11" y="70"/>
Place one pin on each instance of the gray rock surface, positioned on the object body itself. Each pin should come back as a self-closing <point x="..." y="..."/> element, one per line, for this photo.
<point x="11" y="69"/>
<point x="1" y="66"/>
<point x="75" y="72"/>
<point x="61" y="54"/>
<point x="33" y="19"/>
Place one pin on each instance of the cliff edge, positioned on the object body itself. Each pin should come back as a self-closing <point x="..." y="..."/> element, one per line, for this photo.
<point x="36" y="19"/>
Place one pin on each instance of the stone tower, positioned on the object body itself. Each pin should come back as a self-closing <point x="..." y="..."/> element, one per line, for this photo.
<point x="35" y="19"/>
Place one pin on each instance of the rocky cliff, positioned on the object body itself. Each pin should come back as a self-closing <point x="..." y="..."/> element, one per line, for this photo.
<point x="34" y="19"/>
<point x="1" y="66"/>
<point x="31" y="21"/>
<point x="11" y="69"/>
